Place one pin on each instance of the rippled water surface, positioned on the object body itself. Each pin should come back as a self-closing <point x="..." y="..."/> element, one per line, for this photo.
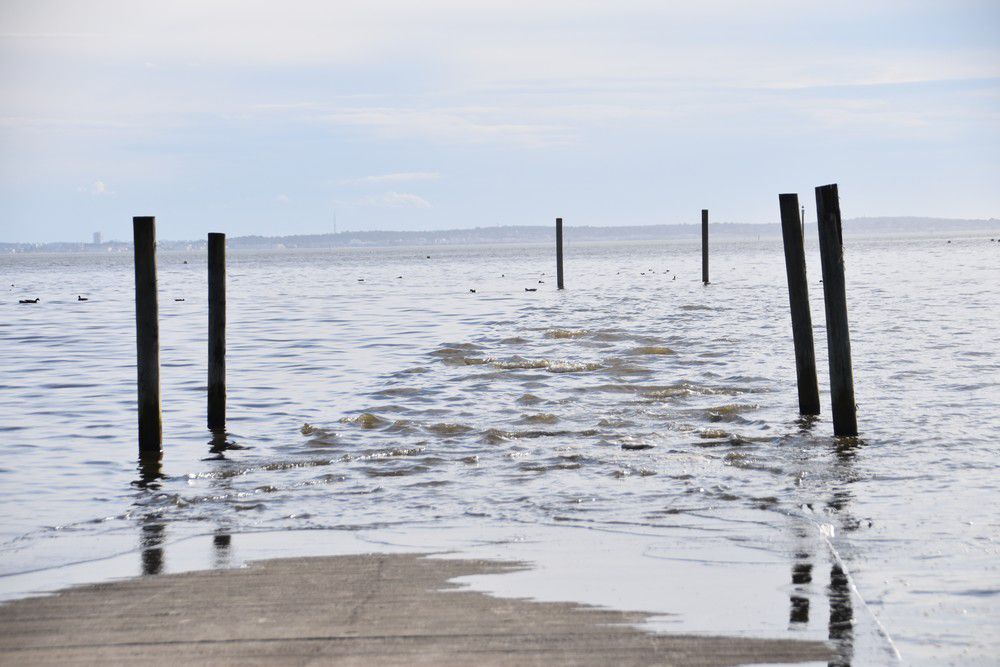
<point x="372" y="390"/>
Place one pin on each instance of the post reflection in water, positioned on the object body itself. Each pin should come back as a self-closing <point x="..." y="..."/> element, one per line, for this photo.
<point x="806" y="423"/>
<point x="150" y="470"/>
<point x="152" y="552"/>
<point x="219" y="444"/>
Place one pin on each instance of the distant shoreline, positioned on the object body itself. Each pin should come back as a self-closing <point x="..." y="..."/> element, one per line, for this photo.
<point x="513" y="235"/>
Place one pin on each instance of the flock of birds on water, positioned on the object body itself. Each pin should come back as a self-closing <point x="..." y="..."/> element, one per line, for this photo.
<point x="361" y="280"/>
<point x="78" y="298"/>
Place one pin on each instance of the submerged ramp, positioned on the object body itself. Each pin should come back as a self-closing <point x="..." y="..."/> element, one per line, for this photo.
<point x="373" y="609"/>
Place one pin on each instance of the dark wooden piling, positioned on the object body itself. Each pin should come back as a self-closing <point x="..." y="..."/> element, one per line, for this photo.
<point x="147" y="335"/>
<point x="831" y="249"/>
<point x="798" y="302"/>
<point x="704" y="245"/>
<point x="559" y="254"/>
<point x="217" y="331"/>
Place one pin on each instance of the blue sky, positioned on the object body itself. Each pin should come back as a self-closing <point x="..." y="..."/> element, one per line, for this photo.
<point x="268" y="118"/>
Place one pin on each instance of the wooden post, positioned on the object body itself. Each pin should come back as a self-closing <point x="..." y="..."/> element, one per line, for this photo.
<point x="798" y="302"/>
<point x="147" y="335"/>
<point x="217" y="331"/>
<point x="559" y="254"/>
<point x="704" y="245"/>
<point x="838" y="340"/>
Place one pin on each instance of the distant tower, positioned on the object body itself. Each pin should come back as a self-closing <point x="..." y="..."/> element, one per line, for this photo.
<point x="97" y="238"/>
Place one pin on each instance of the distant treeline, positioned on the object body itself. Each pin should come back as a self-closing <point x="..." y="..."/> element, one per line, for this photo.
<point x="898" y="226"/>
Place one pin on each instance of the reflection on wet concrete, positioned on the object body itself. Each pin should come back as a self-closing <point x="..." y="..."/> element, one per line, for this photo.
<point x="802" y="573"/>
<point x="220" y="547"/>
<point x="801" y="577"/>
<point x="841" y="624"/>
<point x="150" y="541"/>
<point x="841" y="617"/>
<point x="800" y="610"/>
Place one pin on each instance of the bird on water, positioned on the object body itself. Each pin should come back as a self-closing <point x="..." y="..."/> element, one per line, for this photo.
<point x="81" y="298"/>
<point x="35" y="300"/>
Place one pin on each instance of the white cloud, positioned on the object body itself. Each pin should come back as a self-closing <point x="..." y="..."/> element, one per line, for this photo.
<point x="395" y="200"/>
<point x="98" y="189"/>
<point x="282" y="199"/>
<point x="467" y="124"/>
<point x="397" y="177"/>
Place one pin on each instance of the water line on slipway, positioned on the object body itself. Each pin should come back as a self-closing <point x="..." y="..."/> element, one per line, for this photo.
<point x="470" y="543"/>
<point x="854" y="589"/>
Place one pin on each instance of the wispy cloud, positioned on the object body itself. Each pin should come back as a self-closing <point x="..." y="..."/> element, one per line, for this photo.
<point x="472" y="124"/>
<point x="97" y="189"/>
<point x="397" y="177"/>
<point x="395" y="200"/>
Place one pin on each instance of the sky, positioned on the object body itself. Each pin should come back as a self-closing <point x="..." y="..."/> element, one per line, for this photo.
<point x="290" y="117"/>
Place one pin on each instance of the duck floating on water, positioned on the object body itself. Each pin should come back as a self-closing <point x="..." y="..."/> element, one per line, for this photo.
<point x="81" y="298"/>
<point x="530" y="289"/>
<point x="35" y="300"/>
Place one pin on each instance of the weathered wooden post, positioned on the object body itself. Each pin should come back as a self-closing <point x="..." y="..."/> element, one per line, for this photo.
<point x="798" y="302"/>
<point x="147" y="336"/>
<point x="704" y="245"/>
<point x="559" y="254"/>
<point x="217" y="331"/>
<point x="838" y="340"/>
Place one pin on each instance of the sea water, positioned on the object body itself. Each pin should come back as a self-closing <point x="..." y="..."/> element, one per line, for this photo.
<point x="635" y="435"/>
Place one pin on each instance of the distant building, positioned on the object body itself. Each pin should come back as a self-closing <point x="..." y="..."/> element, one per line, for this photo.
<point x="97" y="238"/>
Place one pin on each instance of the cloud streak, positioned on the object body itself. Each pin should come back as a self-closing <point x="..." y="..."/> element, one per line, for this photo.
<point x="396" y="177"/>
<point x="395" y="200"/>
